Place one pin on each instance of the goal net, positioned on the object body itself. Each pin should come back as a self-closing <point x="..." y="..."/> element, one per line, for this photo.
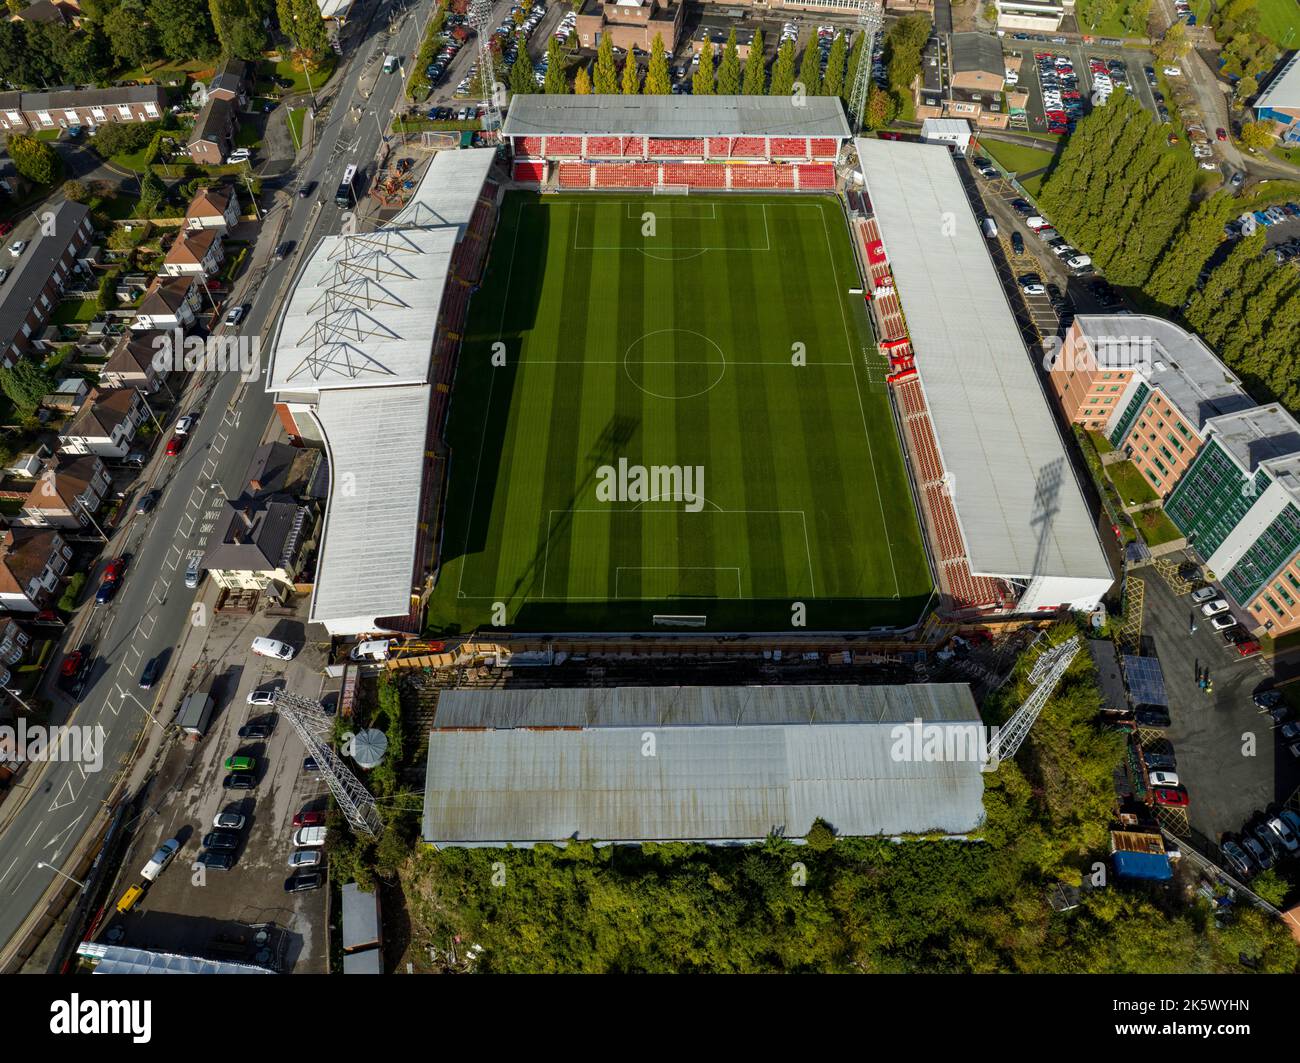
<point x="672" y="190"/>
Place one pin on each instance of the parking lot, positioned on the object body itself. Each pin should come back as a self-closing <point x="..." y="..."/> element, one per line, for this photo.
<point x="192" y="908"/>
<point x="1230" y="757"/>
<point x="1078" y="56"/>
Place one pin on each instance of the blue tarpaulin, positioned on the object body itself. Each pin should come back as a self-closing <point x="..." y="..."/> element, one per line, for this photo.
<point x="1153" y="866"/>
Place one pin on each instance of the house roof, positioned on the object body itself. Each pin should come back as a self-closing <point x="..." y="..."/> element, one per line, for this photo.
<point x="976" y="52"/>
<point x="104" y="410"/>
<point x="191" y="246"/>
<point x="135" y="351"/>
<point x="42" y="101"/>
<point x="44" y="11"/>
<point x="31" y="272"/>
<point x="62" y="482"/>
<point x="277" y="468"/>
<point x="24" y="553"/>
<point x="232" y="76"/>
<point x="256" y="535"/>
<point x="208" y="203"/>
<point x="165" y="295"/>
<point x="214" y="121"/>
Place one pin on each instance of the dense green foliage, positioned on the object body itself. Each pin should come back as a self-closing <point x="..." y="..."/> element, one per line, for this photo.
<point x="631" y="77"/>
<point x="25" y="384"/>
<point x="702" y="81"/>
<point x="557" y="82"/>
<point x="904" y="41"/>
<point x="782" y="83"/>
<point x="1246" y="52"/>
<point x="1123" y="215"/>
<point x="729" y="68"/>
<point x="833" y="82"/>
<point x="34" y="159"/>
<point x="755" y="67"/>
<point x="606" y="80"/>
<point x="864" y="905"/>
<point x="657" y="82"/>
<point x="810" y="68"/>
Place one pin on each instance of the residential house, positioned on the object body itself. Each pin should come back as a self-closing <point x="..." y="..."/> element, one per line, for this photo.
<point x="46" y="12"/>
<point x="194" y="252"/>
<point x="170" y="303"/>
<point x="11" y="112"/>
<point x="232" y="82"/>
<point x="212" y="208"/>
<point x="13" y="644"/>
<point x="38" y="275"/>
<point x="214" y="132"/>
<point x="66" y="494"/>
<point x="1279" y="103"/>
<point x="90" y="107"/>
<point x="133" y="363"/>
<point x="106" y="424"/>
<point x="32" y="561"/>
<point x="264" y="537"/>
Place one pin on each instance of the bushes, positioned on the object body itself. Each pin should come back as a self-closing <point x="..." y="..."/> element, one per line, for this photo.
<point x="34" y="159"/>
<point x="72" y="591"/>
<point x="124" y="138"/>
<point x="105" y="299"/>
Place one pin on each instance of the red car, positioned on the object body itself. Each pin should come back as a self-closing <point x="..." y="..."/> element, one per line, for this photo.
<point x="71" y="665"/>
<point x="1171" y="796"/>
<point x="115" y="569"/>
<point x="1221" y="133"/>
<point x="309" y="819"/>
<point x="174" y="446"/>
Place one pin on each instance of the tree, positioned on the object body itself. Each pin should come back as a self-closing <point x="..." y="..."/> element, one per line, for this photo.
<point x="606" y="80"/>
<point x="25" y="384"/>
<point x="657" y="82"/>
<point x="820" y="836"/>
<point x="631" y="77"/>
<point x="1173" y="46"/>
<point x="130" y="35"/>
<point x="833" y="82"/>
<point x="185" y="29"/>
<point x="582" y="82"/>
<point x="783" y="70"/>
<point x="903" y="43"/>
<point x="755" y="67"/>
<point x="1245" y="88"/>
<point x="881" y="108"/>
<point x="152" y="194"/>
<point x="522" y="82"/>
<point x="702" y="82"/>
<point x="810" y="70"/>
<point x="34" y="159"/>
<point x="855" y="60"/>
<point x="1174" y="276"/>
<point x="123" y="138"/>
<point x="556" y="84"/>
<point x="76" y="191"/>
<point x="1257" y="136"/>
<point x="85" y="53"/>
<point x="309" y="28"/>
<point x="729" y="68"/>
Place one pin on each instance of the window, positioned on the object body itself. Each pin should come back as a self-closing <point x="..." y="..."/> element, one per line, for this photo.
<point x="97" y="113"/>
<point x="124" y="111"/>
<point x="151" y="109"/>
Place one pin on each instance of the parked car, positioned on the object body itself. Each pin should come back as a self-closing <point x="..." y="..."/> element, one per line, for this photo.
<point x="261" y="697"/>
<point x="1261" y="855"/>
<point x="194" y="572"/>
<point x="229" y="821"/>
<point x="304" y="837"/>
<point x="1267" y="699"/>
<point x="240" y="781"/>
<point x="1164" y="778"/>
<point x="221" y="840"/>
<point x="1237" y="859"/>
<point x="107" y="592"/>
<point x="160" y="859"/>
<point x="1159" y="761"/>
<point x="1204" y="594"/>
<point x="1214" y="608"/>
<point x="1222" y="623"/>
<point x="17" y="247"/>
<point x="305" y="858"/>
<point x="1032" y="284"/>
<point x="265" y="647"/>
<point x="309" y="764"/>
<point x="260" y="728"/>
<point x="217" y="861"/>
<point x="235" y="315"/>
<point x="1151" y="716"/>
<point x="1017" y="244"/>
<point x="299" y="883"/>
<point x="307" y="190"/>
<point x="241" y="763"/>
<point x="174" y="445"/>
<point x="151" y="672"/>
<point x="283" y="248"/>
<point x="309" y="819"/>
<point x="1171" y="797"/>
<point x="1266" y="838"/>
<point x="186" y="423"/>
<point x="1282" y="831"/>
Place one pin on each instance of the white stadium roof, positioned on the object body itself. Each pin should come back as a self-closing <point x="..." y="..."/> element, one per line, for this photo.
<point x="676" y="116"/>
<point x="354" y="351"/>
<point x="1020" y="507"/>
<point x="1283" y="91"/>
<point x="730" y="764"/>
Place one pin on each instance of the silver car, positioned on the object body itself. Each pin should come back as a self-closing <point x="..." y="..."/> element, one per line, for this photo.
<point x="305" y="858"/>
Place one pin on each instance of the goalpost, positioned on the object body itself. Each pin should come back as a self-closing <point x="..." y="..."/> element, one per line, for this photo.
<point x="671" y="190"/>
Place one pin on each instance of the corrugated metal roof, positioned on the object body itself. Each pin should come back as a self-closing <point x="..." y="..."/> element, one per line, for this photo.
<point x="1020" y="507"/>
<point x="735" y="781"/>
<point x="676" y="706"/>
<point x="119" y="959"/>
<point x="1283" y="92"/>
<point x="360" y="916"/>
<point x="677" y="116"/>
<point x="376" y="439"/>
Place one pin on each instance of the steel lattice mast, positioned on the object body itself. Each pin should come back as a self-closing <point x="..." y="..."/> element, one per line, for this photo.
<point x="314" y="727"/>
<point x="1046" y="673"/>
<point x="480" y="17"/>
<point x="870" y="18"/>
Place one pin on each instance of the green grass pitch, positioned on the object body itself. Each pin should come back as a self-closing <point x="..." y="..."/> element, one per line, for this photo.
<point x="713" y="337"/>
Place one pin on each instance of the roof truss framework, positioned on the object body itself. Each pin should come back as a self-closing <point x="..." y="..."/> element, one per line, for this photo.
<point x="337" y="344"/>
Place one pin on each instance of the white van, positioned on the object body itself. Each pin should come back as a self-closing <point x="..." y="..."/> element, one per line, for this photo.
<point x="1036" y="223"/>
<point x="160" y="859"/>
<point x="376" y="650"/>
<point x="305" y="836"/>
<point x="264" y="647"/>
<point x="990" y="228"/>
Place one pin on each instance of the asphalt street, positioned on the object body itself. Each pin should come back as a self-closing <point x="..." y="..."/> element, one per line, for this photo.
<point x="150" y="612"/>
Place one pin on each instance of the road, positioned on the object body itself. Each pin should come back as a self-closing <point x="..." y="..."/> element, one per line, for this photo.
<point x="150" y="612"/>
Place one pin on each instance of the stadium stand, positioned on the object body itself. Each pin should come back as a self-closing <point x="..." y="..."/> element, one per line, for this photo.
<point x="812" y="176"/>
<point x="597" y="146"/>
<point x="663" y="146"/>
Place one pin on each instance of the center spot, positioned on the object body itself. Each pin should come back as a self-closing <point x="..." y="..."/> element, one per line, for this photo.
<point x="674" y="363"/>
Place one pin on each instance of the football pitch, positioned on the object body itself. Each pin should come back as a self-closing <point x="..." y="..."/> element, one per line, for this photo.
<point x="672" y="406"/>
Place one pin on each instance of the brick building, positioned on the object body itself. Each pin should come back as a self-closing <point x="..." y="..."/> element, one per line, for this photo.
<point x="24" y="111"/>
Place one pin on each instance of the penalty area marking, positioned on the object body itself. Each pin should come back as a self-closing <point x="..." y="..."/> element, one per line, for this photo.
<point x="577" y="216"/>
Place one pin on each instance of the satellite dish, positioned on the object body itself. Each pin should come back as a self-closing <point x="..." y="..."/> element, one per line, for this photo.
<point x="369" y="747"/>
